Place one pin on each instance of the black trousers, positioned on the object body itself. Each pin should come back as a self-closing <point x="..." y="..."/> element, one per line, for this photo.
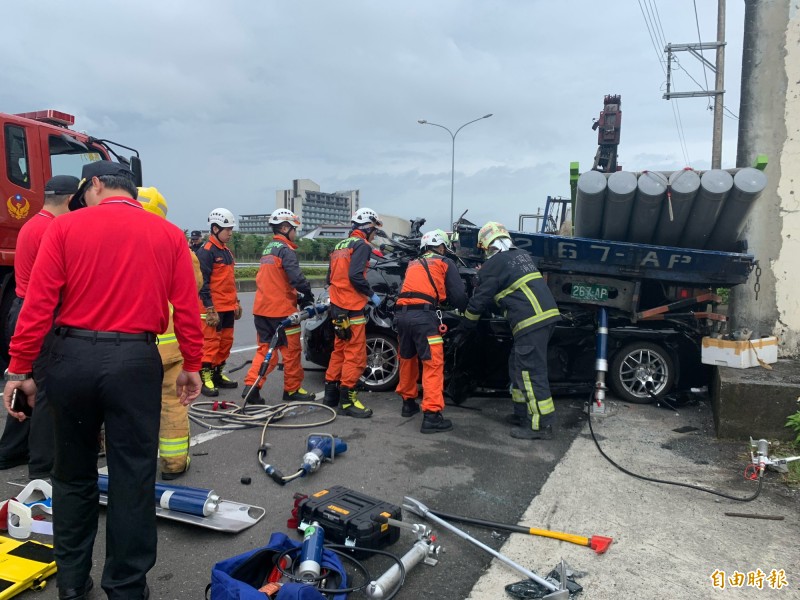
<point x="119" y="383"/>
<point x="31" y="440"/>
<point x="530" y="386"/>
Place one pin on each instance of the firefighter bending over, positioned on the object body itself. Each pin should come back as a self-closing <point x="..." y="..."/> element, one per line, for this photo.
<point x="349" y="292"/>
<point x="510" y="278"/>
<point x="219" y="301"/>
<point x="280" y="288"/>
<point x="430" y="280"/>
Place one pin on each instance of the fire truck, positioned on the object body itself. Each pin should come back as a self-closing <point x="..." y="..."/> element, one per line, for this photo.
<point x="37" y="146"/>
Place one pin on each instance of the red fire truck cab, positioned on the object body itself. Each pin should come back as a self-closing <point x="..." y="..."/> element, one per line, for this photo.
<point x="36" y="146"/>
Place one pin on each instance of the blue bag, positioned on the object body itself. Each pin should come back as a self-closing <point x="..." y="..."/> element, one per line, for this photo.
<point x="239" y="578"/>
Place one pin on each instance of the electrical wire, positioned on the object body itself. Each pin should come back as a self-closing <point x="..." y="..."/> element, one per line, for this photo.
<point x="665" y="482"/>
<point x="700" y="41"/>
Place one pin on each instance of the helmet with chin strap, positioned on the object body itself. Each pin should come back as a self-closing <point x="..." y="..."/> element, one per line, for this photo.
<point x="221" y="217"/>
<point x="284" y="215"/>
<point x="432" y="239"/>
<point x="366" y="217"/>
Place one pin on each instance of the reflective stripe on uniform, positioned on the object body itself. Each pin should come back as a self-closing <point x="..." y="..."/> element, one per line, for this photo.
<point x="537" y="408"/>
<point x="167" y="338"/>
<point x="471" y="316"/>
<point x="553" y="312"/>
<point x="362" y="320"/>
<point x="517" y="395"/>
<point x="173" y="446"/>
<point x="292" y="331"/>
<point x="516" y="285"/>
<point x="435" y="339"/>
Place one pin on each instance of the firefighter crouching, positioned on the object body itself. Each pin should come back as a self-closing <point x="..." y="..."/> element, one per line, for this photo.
<point x="429" y="280"/>
<point x="510" y="278"/>
<point x="218" y="301"/>
<point x="349" y="293"/>
<point x="280" y="288"/>
<point x="173" y="437"/>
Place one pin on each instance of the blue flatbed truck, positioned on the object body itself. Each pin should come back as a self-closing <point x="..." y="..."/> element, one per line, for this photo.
<point x="659" y="303"/>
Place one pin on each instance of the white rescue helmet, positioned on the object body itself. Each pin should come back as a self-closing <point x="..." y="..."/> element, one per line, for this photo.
<point x="221" y="217"/>
<point x="366" y="216"/>
<point x="434" y="238"/>
<point x="284" y="215"/>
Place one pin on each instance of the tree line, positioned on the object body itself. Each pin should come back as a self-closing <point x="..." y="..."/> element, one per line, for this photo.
<point x="249" y="247"/>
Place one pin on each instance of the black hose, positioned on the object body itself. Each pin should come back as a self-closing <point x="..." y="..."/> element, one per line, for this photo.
<point x="686" y="485"/>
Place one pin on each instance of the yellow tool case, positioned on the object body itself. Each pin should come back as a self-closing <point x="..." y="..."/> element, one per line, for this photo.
<point x="24" y="565"/>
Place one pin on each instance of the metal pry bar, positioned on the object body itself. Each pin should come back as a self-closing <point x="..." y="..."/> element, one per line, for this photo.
<point x="418" y="508"/>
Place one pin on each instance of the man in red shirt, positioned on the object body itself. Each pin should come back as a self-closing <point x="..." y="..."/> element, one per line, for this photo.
<point x="31" y="441"/>
<point x="105" y="368"/>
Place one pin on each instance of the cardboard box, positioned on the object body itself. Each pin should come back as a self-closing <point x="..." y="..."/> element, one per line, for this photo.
<point x="739" y="355"/>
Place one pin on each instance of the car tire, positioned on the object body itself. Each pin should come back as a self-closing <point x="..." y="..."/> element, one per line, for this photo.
<point x="383" y="363"/>
<point x="638" y="366"/>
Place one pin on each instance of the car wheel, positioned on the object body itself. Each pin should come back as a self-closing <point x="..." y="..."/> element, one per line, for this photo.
<point x="383" y="363"/>
<point x="639" y="367"/>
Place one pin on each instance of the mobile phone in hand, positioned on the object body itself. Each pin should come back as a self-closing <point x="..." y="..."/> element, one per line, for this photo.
<point x="19" y="403"/>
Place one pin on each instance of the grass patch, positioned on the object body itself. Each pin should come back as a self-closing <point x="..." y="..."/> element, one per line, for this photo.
<point x="792" y="478"/>
<point x="310" y="272"/>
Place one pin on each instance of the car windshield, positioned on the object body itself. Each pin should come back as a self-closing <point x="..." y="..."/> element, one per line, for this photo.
<point x="68" y="159"/>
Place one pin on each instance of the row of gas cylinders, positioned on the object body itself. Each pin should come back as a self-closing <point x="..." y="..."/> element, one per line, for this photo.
<point x="684" y="208"/>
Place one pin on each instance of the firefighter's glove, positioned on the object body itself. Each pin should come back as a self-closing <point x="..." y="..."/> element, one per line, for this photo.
<point x="237" y="312"/>
<point x="341" y="327"/>
<point x="305" y="300"/>
<point x="375" y="300"/>
<point x="212" y="317"/>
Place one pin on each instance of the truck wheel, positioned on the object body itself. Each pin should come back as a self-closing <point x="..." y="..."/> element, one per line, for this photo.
<point x="639" y="367"/>
<point x="383" y="363"/>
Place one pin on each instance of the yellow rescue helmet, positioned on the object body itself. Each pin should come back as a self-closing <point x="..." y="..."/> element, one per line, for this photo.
<point x="490" y="232"/>
<point x="152" y="201"/>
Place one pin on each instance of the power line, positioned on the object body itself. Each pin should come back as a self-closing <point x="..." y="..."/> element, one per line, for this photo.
<point x="705" y="76"/>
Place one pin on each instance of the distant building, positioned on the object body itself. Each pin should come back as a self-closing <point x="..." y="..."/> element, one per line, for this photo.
<point x="316" y="208"/>
<point x="254" y="224"/>
<point x="337" y="231"/>
<point x="393" y="226"/>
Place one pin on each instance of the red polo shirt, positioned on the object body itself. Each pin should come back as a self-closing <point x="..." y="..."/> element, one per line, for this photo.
<point x="28" y="241"/>
<point x="117" y="268"/>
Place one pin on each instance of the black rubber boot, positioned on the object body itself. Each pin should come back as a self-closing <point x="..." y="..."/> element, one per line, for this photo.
<point x="410" y="407"/>
<point x="331" y="394"/>
<point x="221" y="380"/>
<point x="254" y="396"/>
<point x="434" y="422"/>
<point x="519" y="416"/>
<point x="524" y="432"/>
<point x="350" y="405"/>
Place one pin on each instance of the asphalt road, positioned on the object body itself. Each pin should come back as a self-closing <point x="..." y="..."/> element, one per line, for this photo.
<point x="475" y="470"/>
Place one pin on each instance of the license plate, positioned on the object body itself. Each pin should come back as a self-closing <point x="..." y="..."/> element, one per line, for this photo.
<point x="589" y="292"/>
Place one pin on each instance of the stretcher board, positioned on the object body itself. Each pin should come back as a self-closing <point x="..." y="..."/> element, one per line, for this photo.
<point x="24" y="564"/>
<point x="230" y="517"/>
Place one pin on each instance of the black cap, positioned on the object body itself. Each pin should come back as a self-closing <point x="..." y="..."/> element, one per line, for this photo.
<point x="196" y="235"/>
<point x="105" y="167"/>
<point x="96" y="169"/>
<point x="61" y="185"/>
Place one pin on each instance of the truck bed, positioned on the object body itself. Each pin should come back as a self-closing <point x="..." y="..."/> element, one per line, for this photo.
<point x="623" y="260"/>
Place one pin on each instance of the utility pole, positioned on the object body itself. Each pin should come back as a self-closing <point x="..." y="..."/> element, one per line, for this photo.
<point x="716" y="143"/>
<point x="719" y="70"/>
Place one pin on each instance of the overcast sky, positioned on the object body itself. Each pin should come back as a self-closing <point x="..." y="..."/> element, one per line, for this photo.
<point x="228" y="102"/>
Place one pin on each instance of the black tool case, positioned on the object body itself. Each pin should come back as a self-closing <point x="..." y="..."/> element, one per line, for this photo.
<point x="347" y="518"/>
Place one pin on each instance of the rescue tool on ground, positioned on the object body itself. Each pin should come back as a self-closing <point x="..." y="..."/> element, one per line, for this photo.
<point x="558" y="590"/>
<point x="761" y="460"/>
<point x="321" y="447"/>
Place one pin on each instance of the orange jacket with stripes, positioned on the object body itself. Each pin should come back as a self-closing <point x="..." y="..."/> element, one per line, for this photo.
<point x="417" y="288"/>
<point x="279" y="280"/>
<point x="219" y="281"/>
<point x="347" y="273"/>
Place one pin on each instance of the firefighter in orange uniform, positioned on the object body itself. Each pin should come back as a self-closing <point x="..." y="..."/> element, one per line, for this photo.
<point x="219" y="301"/>
<point x="429" y="280"/>
<point x="349" y="293"/>
<point x="173" y="437"/>
<point x="280" y="288"/>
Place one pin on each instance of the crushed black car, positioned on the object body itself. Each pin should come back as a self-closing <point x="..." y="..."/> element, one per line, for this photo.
<point x="644" y="360"/>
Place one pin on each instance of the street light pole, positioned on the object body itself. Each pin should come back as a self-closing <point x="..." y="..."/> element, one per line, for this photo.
<point x="453" y="155"/>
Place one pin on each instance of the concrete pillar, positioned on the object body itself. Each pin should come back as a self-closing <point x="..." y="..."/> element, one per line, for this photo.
<point x="769" y="123"/>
